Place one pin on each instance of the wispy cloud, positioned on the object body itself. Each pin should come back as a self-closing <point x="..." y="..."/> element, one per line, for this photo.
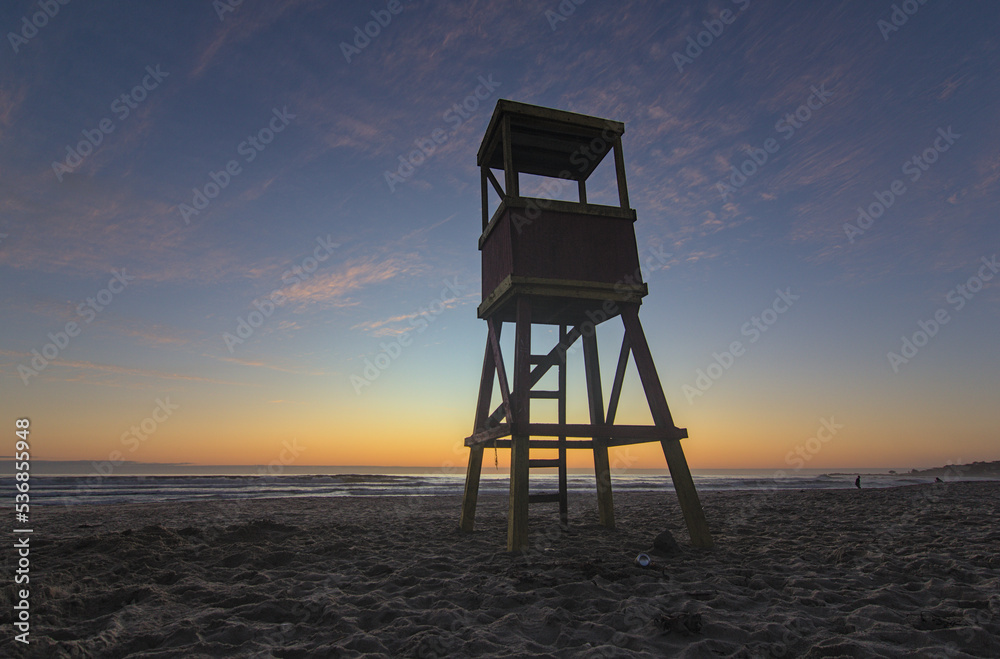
<point x="400" y="324"/>
<point x="238" y="27"/>
<point x="335" y="289"/>
<point x="10" y="101"/>
<point x="257" y="363"/>
<point x="105" y="374"/>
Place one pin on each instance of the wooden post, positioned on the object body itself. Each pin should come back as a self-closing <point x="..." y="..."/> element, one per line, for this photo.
<point x="616" y="388"/>
<point x="602" y="466"/>
<point x="496" y="185"/>
<point x="510" y="174"/>
<point x="620" y="172"/>
<point x="494" y="334"/>
<point x="517" y="515"/>
<point x="483" y="192"/>
<point x="468" y="520"/>
<point x="563" y="502"/>
<point x="687" y="495"/>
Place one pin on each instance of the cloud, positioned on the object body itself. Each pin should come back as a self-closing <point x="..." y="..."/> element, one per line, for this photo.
<point x="106" y="225"/>
<point x="104" y="374"/>
<point x="396" y="325"/>
<point x="10" y="103"/>
<point x="239" y="26"/>
<point x="151" y="333"/>
<point x="335" y="289"/>
<point x="255" y="363"/>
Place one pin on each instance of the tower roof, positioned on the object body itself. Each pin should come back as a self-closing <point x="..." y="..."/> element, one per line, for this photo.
<point x="548" y="142"/>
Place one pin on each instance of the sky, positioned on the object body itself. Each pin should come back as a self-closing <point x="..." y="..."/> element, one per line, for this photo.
<point x="228" y="235"/>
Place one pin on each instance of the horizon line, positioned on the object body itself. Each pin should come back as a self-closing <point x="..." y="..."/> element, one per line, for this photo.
<point x="456" y="469"/>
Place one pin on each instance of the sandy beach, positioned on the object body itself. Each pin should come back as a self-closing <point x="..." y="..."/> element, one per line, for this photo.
<point x="908" y="571"/>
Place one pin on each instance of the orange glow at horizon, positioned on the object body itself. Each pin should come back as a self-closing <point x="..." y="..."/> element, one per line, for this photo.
<point x="738" y="428"/>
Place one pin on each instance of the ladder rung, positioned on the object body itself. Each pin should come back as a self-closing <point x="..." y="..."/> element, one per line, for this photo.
<point x="539" y="463"/>
<point x="543" y="498"/>
<point x="544" y="394"/>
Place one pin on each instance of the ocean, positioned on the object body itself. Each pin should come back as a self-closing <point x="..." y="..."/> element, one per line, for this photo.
<point x="94" y="488"/>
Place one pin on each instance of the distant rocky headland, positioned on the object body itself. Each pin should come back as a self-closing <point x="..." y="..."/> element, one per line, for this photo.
<point x="959" y="471"/>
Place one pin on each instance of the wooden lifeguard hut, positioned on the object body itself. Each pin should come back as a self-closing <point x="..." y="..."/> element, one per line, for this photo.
<point x="573" y="265"/>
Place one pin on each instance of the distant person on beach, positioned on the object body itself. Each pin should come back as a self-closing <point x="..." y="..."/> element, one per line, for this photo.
<point x="857" y="482"/>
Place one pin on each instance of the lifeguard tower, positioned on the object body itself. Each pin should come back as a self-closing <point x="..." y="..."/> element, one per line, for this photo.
<point x="573" y="265"/>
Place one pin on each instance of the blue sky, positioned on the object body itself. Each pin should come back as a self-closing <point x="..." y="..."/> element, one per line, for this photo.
<point x="830" y="102"/>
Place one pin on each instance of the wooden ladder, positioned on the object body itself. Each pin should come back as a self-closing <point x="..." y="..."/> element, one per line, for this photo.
<point x="559" y="395"/>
